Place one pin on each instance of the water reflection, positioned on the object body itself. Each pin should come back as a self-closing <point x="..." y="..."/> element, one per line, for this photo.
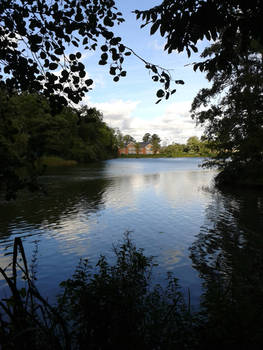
<point x="228" y="254"/>
<point x="69" y="197"/>
<point x="89" y="208"/>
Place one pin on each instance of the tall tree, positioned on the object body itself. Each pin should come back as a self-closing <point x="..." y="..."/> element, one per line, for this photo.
<point x="193" y="144"/>
<point x="146" y="137"/>
<point x="137" y="147"/>
<point x="128" y="138"/>
<point x="155" y="141"/>
<point x="28" y="131"/>
<point x="233" y="117"/>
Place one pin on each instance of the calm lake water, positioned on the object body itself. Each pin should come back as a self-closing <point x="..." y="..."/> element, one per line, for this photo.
<point x="170" y="205"/>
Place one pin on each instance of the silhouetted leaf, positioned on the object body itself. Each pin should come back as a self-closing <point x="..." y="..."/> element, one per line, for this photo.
<point x="160" y="93"/>
<point x="155" y="26"/>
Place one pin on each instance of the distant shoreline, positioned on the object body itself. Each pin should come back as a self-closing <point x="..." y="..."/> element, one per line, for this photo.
<point x="127" y="156"/>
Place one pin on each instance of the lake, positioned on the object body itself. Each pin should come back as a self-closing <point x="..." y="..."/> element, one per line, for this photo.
<point x="170" y="206"/>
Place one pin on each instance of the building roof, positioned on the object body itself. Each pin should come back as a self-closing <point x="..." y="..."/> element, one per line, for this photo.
<point x="141" y="144"/>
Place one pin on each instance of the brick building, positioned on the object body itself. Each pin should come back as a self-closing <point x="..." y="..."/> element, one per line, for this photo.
<point x="130" y="148"/>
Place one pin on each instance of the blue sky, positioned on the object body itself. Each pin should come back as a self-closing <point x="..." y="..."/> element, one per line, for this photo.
<point x="130" y="104"/>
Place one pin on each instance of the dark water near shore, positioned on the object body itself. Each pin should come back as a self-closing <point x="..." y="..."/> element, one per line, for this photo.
<point x="170" y="205"/>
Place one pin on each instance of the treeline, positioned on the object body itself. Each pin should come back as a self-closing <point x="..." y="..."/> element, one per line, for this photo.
<point x="193" y="147"/>
<point x="32" y="132"/>
<point x="30" y="128"/>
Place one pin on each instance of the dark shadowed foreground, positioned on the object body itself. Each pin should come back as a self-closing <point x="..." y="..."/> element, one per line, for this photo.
<point x="118" y="307"/>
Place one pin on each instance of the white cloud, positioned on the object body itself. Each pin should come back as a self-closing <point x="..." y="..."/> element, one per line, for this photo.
<point x="117" y="113"/>
<point x="173" y="125"/>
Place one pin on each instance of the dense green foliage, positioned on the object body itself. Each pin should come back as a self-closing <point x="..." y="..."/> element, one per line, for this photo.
<point x="233" y="116"/>
<point x="29" y="131"/>
<point x="193" y="148"/>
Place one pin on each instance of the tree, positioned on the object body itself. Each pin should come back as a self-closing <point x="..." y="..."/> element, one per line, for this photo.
<point x="146" y="138"/>
<point x="137" y="147"/>
<point x="35" y="35"/>
<point x="184" y="23"/>
<point x="29" y="132"/>
<point x="233" y="117"/>
<point x="128" y="138"/>
<point x="155" y="141"/>
<point x="34" y="39"/>
<point x="193" y="144"/>
<point x="119" y="138"/>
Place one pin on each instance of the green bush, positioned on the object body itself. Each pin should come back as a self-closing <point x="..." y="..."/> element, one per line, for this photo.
<point x="117" y="308"/>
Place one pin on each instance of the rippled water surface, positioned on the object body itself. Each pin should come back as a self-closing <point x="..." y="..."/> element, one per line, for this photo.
<point x="166" y="203"/>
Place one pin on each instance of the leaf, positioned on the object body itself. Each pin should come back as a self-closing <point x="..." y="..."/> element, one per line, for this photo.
<point x="108" y="22"/>
<point x="194" y="48"/>
<point x="82" y="74"/>
<point x="115" y="41"/>
<point x="160" y="93"/>
<point x="104" y="48"/>
<point x="154" y="69"/>
<point x="121" y="48"/>
<point x="113" y="71"/>
<point x="104" y="56"/>
<point x="179" y="82"/>
<point x="53" y="66"/>
<point x="155" y="27"/>
<point x="167" y="85"/>
<point x="89" y="82"/>
<point x="166" y="76"/>
<point x="43" y="55"/>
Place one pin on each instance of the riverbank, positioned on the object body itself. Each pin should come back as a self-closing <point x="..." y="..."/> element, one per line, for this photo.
<point x="52" y="161"/>
<point x="162" y="155"/>
<point x="248" y="175"/>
